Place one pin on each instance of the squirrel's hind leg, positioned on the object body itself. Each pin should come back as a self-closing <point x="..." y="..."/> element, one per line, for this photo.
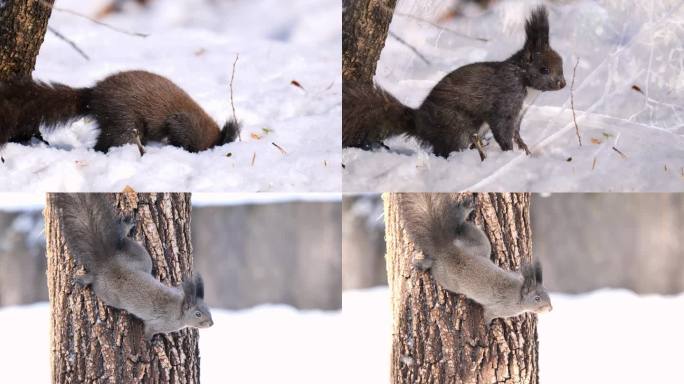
<point x="84" y="280"/>
<point x="117" y="133"/>
<point x="136" y="257"/>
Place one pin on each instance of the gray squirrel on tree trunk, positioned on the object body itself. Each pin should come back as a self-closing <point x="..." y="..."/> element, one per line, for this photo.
<point x="119" y="269"/>
<point x="452" y="116"/>
<point x="457" y="253"/>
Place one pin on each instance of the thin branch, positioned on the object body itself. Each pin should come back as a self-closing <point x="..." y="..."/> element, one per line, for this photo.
<point x="572" y="102"/>
<point x="69" y="11"/>
<point x="232" y="104"/>
<point x="409" y="46"/>
<point x="70" y="42"/>
<point x="455" y="32"/>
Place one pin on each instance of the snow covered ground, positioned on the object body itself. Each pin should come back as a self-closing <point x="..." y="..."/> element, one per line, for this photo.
<point x="266" y="344"/>
<point x="628" y="95"/>
<point x="607" y="336"/>
<point x="194" y="43"/>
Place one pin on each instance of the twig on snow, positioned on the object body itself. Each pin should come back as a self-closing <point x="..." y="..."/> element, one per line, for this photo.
<point x="232" y="105"/>
<point x="69" y="11"/>
<point x="572" y="102"/>
<point x="409" y="46"/>
<point x="70" y="42"/>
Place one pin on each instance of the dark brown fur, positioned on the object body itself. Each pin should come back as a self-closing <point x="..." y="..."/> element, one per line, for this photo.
<point x="458" y="106"/>
<point x="127" y="106"/>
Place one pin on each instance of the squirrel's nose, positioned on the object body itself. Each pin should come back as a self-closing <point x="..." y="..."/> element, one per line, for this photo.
<point x="561" y="83"/>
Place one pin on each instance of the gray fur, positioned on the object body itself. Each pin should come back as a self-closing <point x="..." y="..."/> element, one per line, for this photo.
<point x="458" y="253"/>
<point x="462" y="102"/>
<point x="119" y="269"/>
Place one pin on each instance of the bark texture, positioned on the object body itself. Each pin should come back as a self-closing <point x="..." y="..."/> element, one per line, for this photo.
<point x="364" y="30"/>
<point x="22" y="28"/>
<point x="440" y="337"/>
<point x="94" y="343"/>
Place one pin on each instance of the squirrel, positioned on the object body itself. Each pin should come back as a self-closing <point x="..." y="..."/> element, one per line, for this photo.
<point x="452" y="115"/>
<point x="131" y="107"/>
<point x="457" y="253"/>
<point x="119" y="269"/>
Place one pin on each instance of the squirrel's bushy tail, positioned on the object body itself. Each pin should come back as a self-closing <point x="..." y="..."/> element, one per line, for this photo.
<point x="26" y="105"/>
<point x="370" y="115"/>
<point x="433" y="219"/>
<point x="92" y="231"/>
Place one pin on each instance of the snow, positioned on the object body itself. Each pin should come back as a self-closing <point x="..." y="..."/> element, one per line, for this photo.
<point x="266" y="344"/>
<point x="194" y="43"/>
<point x="213" y="199"/>
<point x="620" y="44"/>
<point x="606" y="336"/>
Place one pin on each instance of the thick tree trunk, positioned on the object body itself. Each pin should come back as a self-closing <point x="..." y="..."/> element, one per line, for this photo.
<point x="94" y="343"/>
<point x="364" y="30"/>
<point x="440" y="337"/>
<point x="22" y="28"/>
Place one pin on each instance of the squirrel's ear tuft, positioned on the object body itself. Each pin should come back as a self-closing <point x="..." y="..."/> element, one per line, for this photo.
<point x="537" y="272"/>
<point x="199" y="286"/>
<point x="529" y="280"/>
<point x="189" y="293"/>
<point x="537" y="29"/>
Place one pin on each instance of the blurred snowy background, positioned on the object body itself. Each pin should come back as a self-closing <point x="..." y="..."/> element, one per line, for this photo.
<point x="272" y="274"/>
<point x="194" y="43"/>
<point x="628" y="95"/>
<point x="613" y="262"/>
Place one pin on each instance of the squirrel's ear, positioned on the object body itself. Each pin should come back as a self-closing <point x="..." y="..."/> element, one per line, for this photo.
<point x="529" y="281"/>
<point x="189" y="293"/>
<point x="537" y="272"/>
<point x="199" y="286"/>
<point x="537" y="29"/>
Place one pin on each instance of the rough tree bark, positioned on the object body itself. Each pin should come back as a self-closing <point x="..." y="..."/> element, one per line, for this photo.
<point x="364" y="30"/>
<point x="440" y="337"/>
<point x="94" y="343"/>
<point x="22" y="28"/>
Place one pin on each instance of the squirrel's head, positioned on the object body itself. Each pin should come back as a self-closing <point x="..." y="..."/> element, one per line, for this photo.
<point x="196" y="313"/>
<point x="230" y="132"/>
<point x="533" y="296"/>
<point x="543" y="66"/>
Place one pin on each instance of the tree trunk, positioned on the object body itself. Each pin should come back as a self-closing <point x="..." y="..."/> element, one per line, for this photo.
<point x="364" y="30"/>
<point x="440" y="337"/>
<point x="94" y="343"/>
<point x="22" y="28"/>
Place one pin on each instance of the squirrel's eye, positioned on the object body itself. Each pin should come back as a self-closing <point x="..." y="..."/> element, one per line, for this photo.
<point x="537" y="299"/>
<point x="544" y="70"/>
<point x="198" y="314"/>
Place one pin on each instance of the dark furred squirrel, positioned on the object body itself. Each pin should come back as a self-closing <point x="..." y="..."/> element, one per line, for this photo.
<point x="131" y="107"/>
<point x="457" y="107"/>
<point x="457" y="253"/>
<point x="119" y="269"/>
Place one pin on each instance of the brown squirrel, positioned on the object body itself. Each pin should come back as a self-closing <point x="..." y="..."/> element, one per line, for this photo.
<point x="119" y="269"/>
<point x="457" y="253"/>
<point x="457" y="107"/>
<point x="131" y="107"/>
